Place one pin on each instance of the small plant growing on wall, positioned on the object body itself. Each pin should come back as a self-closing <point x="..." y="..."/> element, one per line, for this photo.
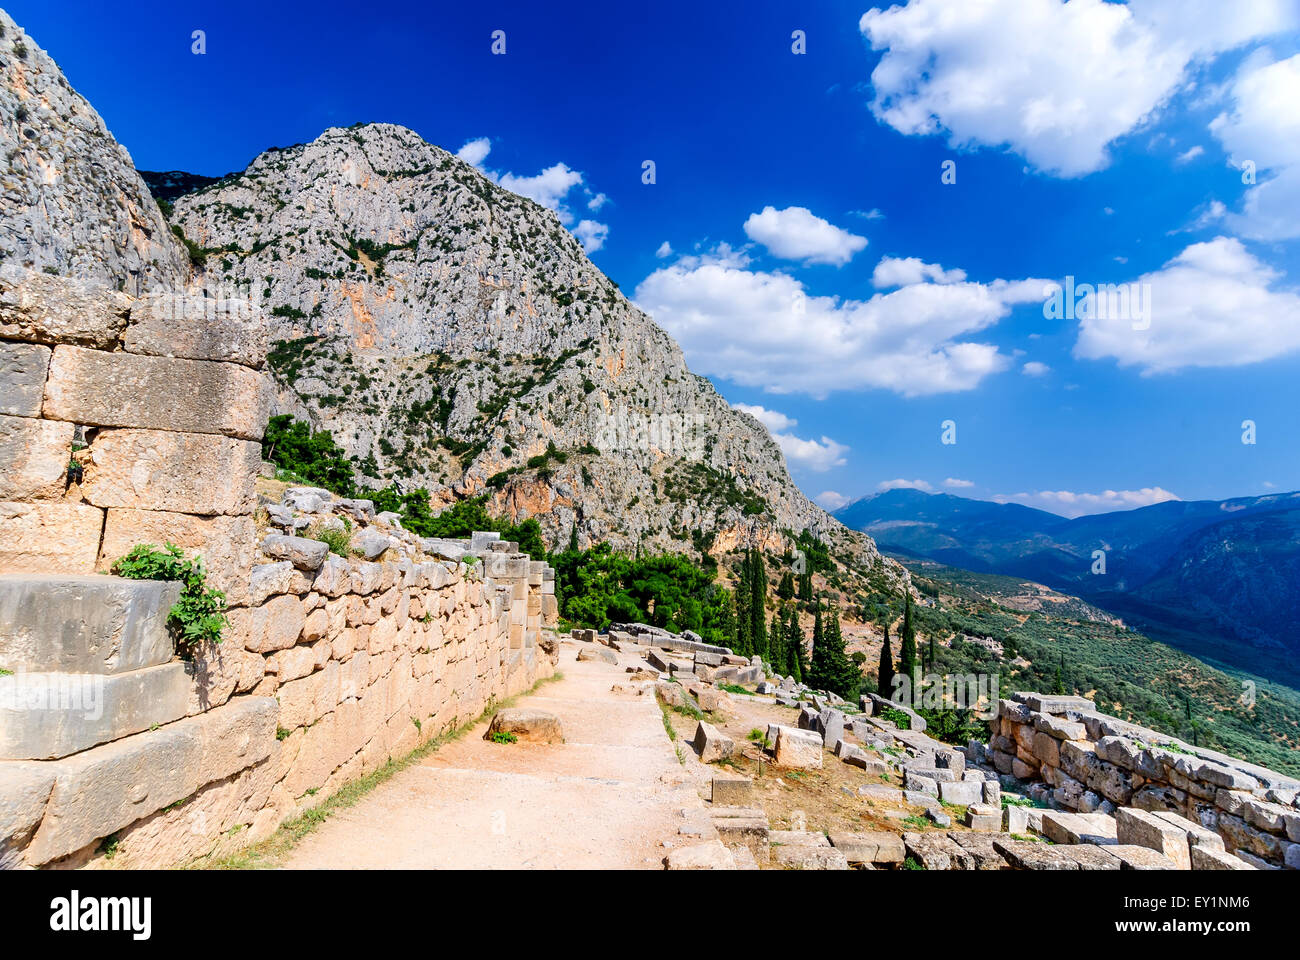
<point x="199" y="615"/>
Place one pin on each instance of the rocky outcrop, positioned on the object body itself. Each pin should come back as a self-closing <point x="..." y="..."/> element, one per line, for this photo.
<point x="452" y="333"/>
<point x="71" y="202"/>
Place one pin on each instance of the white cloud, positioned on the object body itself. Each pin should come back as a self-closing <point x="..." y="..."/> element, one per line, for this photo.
<point x="830" y="500"/>
<point x="818" y="455"/>
<point x="954" y="482"/>
<point x="592" y="234"/>
<point x="1263" y="128"/>
<point x="1187" y="156"/>
<point x="1067" y="503"/>
<point x="474" y="152"/>
<point x="901" y="484"/>
<point x="1214" y="305"/>
<point x="763" y="329"/>
<point x="1056" y="82"/>
<point x="795" y="233"/>
<point x="898" y="272"/>
<point x="550" y="188"/>
<point x="665" y="250"/>
<point x="772" y="419"/>
<point x="873" y="214"/>
<point x="1035" y="369"/>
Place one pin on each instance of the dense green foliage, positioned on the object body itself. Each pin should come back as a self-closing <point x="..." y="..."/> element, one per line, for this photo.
<point x="309" y="454"/>
<point x="199" y="615"/>
<point x="751" y="606"/>
<point x="831" y="668"/>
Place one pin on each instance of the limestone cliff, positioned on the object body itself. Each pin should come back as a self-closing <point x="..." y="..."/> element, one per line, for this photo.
<point x="453" y="334"/>
<point x="71" y="202"/>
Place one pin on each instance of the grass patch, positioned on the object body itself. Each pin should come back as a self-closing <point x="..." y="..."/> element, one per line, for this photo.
<point x="275" y="848"/>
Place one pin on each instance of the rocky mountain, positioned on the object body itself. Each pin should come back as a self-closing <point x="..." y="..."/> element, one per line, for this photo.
<point x="71" y="202"/>
<point x="452" y="334"/>
<point x="1195" y="573"/>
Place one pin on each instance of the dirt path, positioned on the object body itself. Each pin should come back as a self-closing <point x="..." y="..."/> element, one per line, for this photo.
<point x="607" y="798"/>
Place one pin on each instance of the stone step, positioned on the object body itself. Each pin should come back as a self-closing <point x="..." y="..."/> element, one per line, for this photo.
<point x="45" y="716"/>
<point x="84" y="624"/>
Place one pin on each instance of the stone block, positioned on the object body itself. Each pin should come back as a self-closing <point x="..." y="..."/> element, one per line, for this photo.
<point x="984" y="817"/>
<point x="1210" y="858"/>
<point x="711" y="744"/>
<point x="1133" y="857"/>
<point x="44" y="716"/>
<point x="1032" y="855"/>
<point x="1061" y="827"/>
<point x="797" y="857"/>
<point x="49" y="537"/>
<point x="227" y="544"/>
<point x="1144" y="829"/>
<point x="711" y="855"/>
<point x="732" y="791"/>
<point x="1091" y="857"/>
<point x="878" y="846"/>
<point x="303" y="553"/>
<point x="962" y="792"/>
<point x="101" y="389"/>
<point x="22" y="378"/>
<point x="34" y="457"/>
<point x="1197" y="835"/>
<point x="798" y="749"/>
<point x="180" y="472"/>
<point x="85" y="624"/>
<point x="194" y="327"/>
<point x="937" y="851"/>
<point x="535" y="726"/>
<point x="41" y="308"/>
<point x="24" y="789"/>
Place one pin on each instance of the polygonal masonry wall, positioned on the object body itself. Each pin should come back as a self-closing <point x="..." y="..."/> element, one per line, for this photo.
<point x="331" y="664"/>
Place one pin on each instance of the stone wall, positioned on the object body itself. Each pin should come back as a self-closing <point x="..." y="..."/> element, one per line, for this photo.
<point x="1086" y="761"/>
<point x="111" y="747"/>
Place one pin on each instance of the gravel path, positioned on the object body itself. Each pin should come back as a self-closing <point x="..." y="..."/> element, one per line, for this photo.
<point x="609" y="797"/>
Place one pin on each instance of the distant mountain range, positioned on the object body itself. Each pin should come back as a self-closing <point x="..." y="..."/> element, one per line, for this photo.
<point x="1220" y="579"/>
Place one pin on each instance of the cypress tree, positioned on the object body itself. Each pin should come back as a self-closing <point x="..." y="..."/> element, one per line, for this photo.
<point x="776" y="643"/>
<point x="831" y="668"/>
<point x="744" y="621"/>
<point x="785" y="589"/>
<point x="885" y="673"/>
<point x="907" y="650"/>
<point x="794" y="646"/>
<point x="758" y="608"/>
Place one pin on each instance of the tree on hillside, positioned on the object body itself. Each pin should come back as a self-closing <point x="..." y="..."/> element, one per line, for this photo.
<point x="795" y="661"/>
<point x="907" y="650"/>
<point x="805" y="586"/>
<point x="831" y="668"/>
<point x="776" y="643"/>
<point x="785" y="589"/>
<point x="758" y="601"/>
<point x="744" y="595"/>
<point x="885" y="673"/>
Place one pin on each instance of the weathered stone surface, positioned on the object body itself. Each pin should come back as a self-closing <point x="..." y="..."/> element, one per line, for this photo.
<point x="276" y="625"/>
<point x="227" y="544"/>
<point x="156" y="393"/>
<point x="235" y="736"/>
<point x="1091" y="857"/>
<point x="34" y="458"/>
<point x="24" y="789"/>
<point x="962" y="792"/>
<point x="1209" y="858"/>
<point x="303" y="553"/>
<point x="711" y="744"/>
<point x="181" y="472"/>
<point x="39" y="308"/>
<point x="44" y="716"/>
<point x="22" y="378"/>
<point x="195" y="327"/>
<point x="984" y="817"/>
<point x="878" y="846"/>
<point x="1059" y="727"/>
<point x="89" y="624"/>
<point x="598" y="653"/>
<point x="1132" y="857"/>
<point x="1197" y="835"/>
<point x="1143" y="829"/>
<point x="799" y="857"/>
<point x="1062" y="827"/>
<point x="1032" y="855"/>
<point x="732" y="791"/>
<point x="49" y="537"/>
<point x="937" y="851"/>
<point x="798" y="749"/>
<point x="535" y="726"/>
<point x="711" y="855"/>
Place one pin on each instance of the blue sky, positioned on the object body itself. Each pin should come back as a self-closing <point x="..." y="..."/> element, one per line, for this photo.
<point x="820" y="269"/>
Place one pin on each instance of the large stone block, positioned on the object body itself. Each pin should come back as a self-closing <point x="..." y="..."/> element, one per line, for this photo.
<point x="195" y="327"/>
<point x="34" y="458"/>
<point x="41" y="308"/>
<point x="181" y="472"/>
<point x="23" y="367"/>
<point x="49" y="537"/>
<point x="1143" y="829"/>
<point x="89" y="624"/>
<point x="44" y="716"/>
<point x="156" y="393"/>
<point x="799" y="749"/>
<point x="711" y="744"/>
<point x="872" y="847"/>
<point x="24" y="789"/>
<point x="227" y="544"/>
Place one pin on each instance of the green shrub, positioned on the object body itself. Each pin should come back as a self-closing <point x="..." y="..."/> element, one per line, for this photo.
<point x="503" y="736"/>
<point x="339" y="541"/>
<point x="199" y="614"/>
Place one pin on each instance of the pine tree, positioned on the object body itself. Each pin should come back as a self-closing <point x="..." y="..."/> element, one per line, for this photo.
<point x="831" y="668"/>
<point x="907" y="650"/>
<point x="885" y="673"/>
<point x="794" y="655"/>
<point x="758" y="608"/>
<point x="785" y="589"/>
